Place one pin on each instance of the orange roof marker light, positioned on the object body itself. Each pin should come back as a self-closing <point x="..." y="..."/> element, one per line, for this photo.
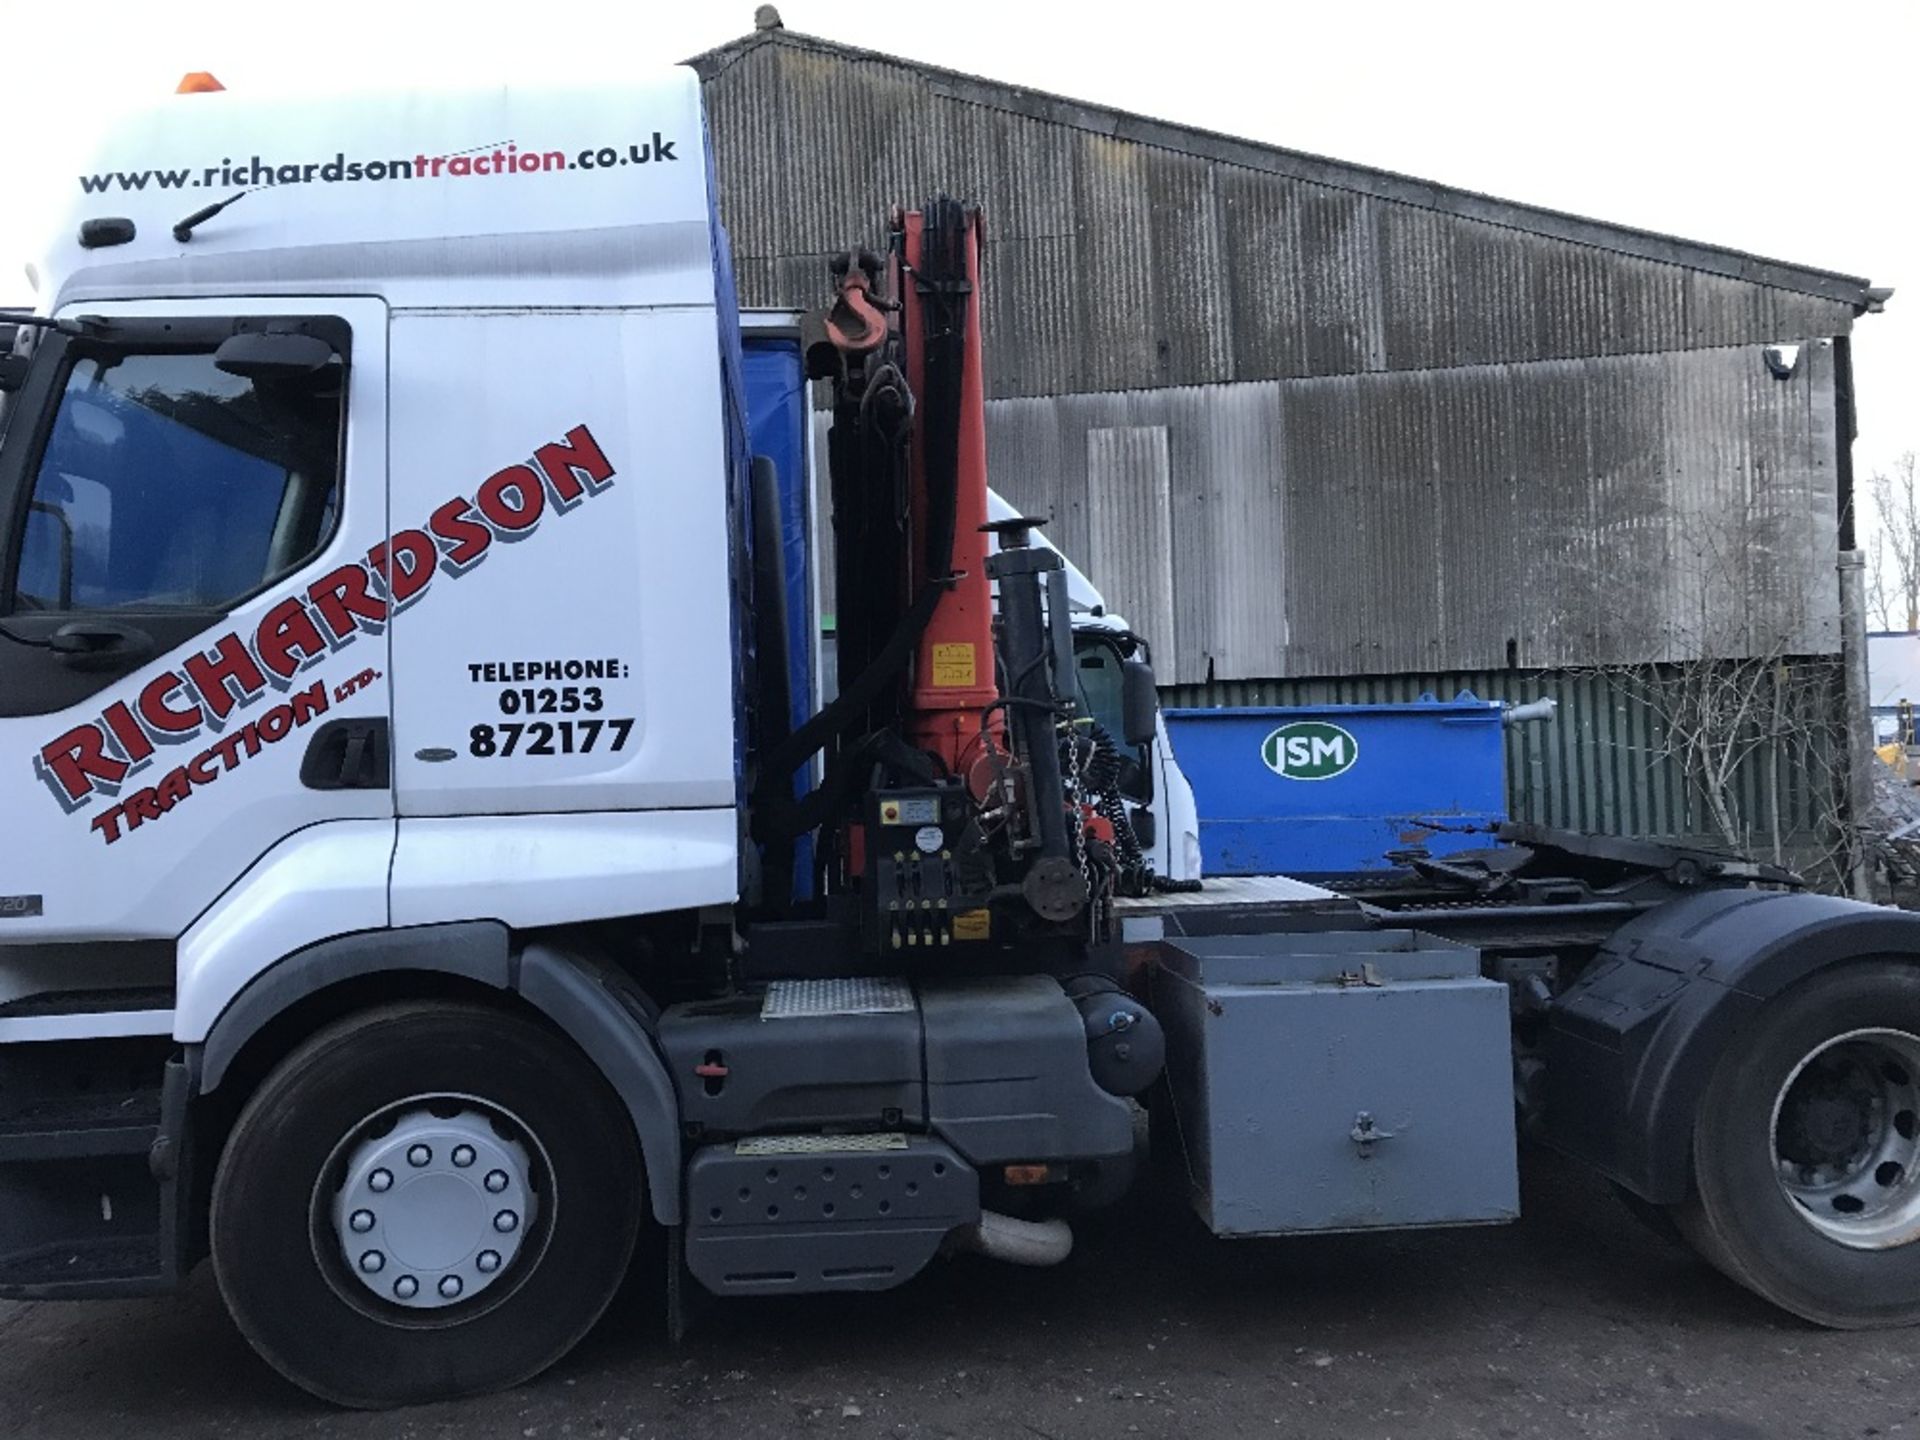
<point x="197" y="82"/>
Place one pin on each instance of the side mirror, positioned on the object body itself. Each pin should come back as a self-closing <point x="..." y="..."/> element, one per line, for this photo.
<point x="260" y="356"/>
<point x="1139" y="702"/>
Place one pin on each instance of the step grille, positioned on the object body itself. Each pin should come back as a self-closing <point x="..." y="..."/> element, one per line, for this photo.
<point x="853" y="995"/>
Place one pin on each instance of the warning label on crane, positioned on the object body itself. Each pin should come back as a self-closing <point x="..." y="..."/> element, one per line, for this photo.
<point x="953" y="665"/>
<point x="973" y="925"/>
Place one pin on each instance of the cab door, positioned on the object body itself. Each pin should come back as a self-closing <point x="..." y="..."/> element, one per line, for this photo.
<point x="193" y="647"/>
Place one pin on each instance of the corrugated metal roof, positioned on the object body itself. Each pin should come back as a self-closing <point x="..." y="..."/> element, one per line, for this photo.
<point x="826" y="58"/>
<point x="1123" y="254"/>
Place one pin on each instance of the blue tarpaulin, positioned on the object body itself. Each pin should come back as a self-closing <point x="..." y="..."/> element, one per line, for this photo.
<point x="777" y="429"/>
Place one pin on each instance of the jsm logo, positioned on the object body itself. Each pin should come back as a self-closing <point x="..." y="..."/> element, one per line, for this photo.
<point x="1309" y="750"/>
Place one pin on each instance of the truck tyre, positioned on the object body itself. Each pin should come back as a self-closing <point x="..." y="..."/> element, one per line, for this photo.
<point x="1806" y="1151"/>
<point x="424" y="1202"/>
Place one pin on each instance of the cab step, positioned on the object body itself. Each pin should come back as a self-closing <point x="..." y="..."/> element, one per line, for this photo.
<point x="75" y="1126"/>
<point x="116" y="1265"/>
<point x="90" y="1186"/>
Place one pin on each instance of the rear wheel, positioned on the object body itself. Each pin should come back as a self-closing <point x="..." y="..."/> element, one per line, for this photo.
<point x="424" y="1202"/>
<point x="1807" y="1151"/>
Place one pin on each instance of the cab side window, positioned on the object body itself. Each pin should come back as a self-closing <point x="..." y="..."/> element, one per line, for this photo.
<point x="169" y="484"/>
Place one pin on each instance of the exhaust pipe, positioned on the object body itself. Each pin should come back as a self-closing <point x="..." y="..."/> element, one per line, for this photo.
<point x="1018" y="1242"/>
<point x="1541" y="709"/>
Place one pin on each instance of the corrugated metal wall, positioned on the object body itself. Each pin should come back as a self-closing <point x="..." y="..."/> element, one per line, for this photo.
<point x="1304" y="419"/>
<point x="1627" y="508"/>
<point x="1130" y="519"/>
<point x="1395" y="436"/>
<point x="1599" y="765"/>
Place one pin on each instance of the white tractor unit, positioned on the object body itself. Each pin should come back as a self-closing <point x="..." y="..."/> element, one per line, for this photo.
<point x="427" y="860"/>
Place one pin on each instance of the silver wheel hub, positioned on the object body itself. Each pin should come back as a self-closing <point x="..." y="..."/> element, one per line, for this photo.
<point x="434" y="1210"/>
<point x="1846" y="1138"/>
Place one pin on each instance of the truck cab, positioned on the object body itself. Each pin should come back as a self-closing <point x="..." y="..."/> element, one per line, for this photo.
<point x="379" y="631"/>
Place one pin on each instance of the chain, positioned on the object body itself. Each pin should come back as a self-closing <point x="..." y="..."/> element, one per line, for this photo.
<point x="1076" y="791"/>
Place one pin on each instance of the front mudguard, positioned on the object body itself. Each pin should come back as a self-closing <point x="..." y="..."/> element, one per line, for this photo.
<point x="599" y="1009"/>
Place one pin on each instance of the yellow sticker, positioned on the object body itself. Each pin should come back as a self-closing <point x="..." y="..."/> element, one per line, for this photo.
<point x="953" y="665"/>
<point x="972" y="924"/>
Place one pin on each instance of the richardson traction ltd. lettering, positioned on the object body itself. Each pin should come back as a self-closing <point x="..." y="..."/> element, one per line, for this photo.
<point x="180" y="706"/>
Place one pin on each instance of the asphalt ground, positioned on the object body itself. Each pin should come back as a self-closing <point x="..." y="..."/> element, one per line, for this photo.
<point x="1577" y="1321"/>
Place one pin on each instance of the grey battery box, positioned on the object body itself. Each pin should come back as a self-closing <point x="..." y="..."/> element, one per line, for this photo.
<point x="771" y="1215"/>
<point x="803" y="1054"/>
<point x="1338" y="1081"/>
<point x="996" y="1065"/>
<point x="1008" y="1077"/>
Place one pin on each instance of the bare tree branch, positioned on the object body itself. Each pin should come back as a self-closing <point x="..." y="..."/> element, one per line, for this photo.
<point x="1893" y="577"/>
<point x="1738" y="715"/>
<point x="1880" y="592"/>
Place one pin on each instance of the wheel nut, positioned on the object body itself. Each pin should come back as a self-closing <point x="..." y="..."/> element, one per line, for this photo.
<point x="451" y="1287"/>
<point x="489" y="1261"/>
<point x="496" y="1181"/>
<point x="506" y="1222"/>
<point x="406" y="1287"/>
<point x="380" y="1181"/>
<point x="419" y="1155"/>
<point x="361" y="1221"/>
<point x="372" y="1263"/>
<point x="463" y="1156"/>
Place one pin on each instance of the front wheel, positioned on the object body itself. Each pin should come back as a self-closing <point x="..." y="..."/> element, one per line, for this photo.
<point x="424" y="1202"/>
<point x="1807" y="1151"/>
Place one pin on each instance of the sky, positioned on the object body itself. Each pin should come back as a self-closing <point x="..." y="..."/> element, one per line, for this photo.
<point x="1784" y="129"/>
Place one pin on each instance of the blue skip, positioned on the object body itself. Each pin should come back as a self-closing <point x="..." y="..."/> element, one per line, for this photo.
<point x="1339" y="789"/>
